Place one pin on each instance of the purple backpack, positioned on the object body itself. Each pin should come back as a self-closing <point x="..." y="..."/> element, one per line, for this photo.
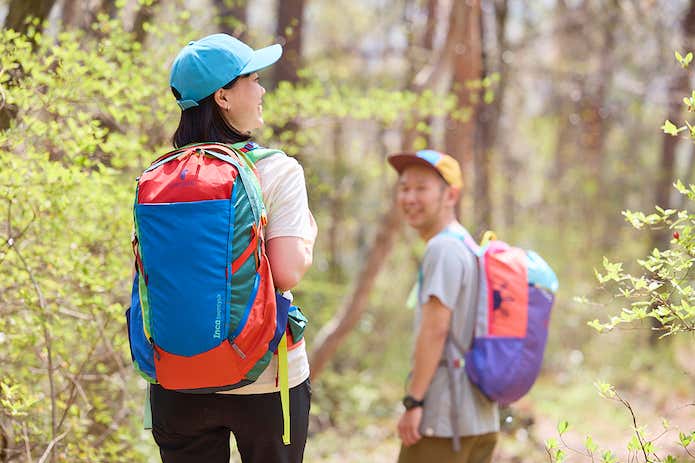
<point x="516" y="291"/>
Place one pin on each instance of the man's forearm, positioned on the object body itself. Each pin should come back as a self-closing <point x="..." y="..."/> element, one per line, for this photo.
<point x="429" y="347"/>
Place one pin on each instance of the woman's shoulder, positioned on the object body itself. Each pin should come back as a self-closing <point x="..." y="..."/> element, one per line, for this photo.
<point x="261" y="154"/>
<point x="272" y="159"/>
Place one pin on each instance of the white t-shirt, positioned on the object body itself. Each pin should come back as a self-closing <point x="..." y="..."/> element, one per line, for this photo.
<point x="287" y="207"/>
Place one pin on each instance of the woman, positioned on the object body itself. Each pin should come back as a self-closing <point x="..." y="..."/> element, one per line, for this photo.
<point x="215" y="81"/>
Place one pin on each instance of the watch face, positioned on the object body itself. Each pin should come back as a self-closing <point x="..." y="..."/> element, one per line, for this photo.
<point x="410" y="402"/>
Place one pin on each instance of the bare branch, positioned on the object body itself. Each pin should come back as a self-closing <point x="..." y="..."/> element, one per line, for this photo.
<point x="333" y="333"/>
<point x="634" y="422"/>
<point x="47" y="338"/>
<point x="47" y="452"/>
<point x="27" y="445"/>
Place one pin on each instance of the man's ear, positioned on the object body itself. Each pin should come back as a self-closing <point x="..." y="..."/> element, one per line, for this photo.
<point x="453" y="194"/>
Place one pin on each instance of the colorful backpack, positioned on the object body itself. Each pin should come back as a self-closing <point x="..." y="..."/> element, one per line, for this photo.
<point x="515" y="295"/>
<point x="203" y="314"/>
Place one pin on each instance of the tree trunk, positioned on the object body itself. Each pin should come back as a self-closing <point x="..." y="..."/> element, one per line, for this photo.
<point x="337" y="201"/>
<point x="144" y="15"/>
<point x="489" y="115"/>
<point x="461" y="125"/>
<point x="232" y="17"/>
<point x="594" y="123"/>
<point x="108" y="7"/>
<point x="428" y="46"/>
<point x="20" y="10"/>
<point x="70" y="13"/>
<point x="289" y="29"/>
<point x="336" y="330"/>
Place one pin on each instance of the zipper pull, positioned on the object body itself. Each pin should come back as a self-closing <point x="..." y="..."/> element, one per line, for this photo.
<point x="239" y="351"/>
<point x="156" y="350"/>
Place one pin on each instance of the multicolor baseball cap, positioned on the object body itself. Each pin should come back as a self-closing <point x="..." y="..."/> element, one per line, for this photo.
<point x="205" y="65"/>
<point x="446" y="166"/>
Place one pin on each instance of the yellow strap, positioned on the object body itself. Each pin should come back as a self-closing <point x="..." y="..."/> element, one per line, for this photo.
<point x="147" y="412"/>
<point x="487" y="237"/>
<point x="283" y="374"/>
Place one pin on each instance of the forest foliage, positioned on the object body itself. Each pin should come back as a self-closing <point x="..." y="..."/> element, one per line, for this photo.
<point x="576" y="142"/>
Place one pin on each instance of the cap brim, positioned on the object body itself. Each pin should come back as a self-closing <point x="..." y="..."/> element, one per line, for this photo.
<point x="262" y="58"/>
<point x="402" y="160"/>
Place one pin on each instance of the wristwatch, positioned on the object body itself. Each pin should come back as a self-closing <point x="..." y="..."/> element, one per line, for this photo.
<point x="410" y="402"/>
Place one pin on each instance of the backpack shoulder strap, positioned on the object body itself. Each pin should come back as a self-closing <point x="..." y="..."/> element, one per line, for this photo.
<point x="254" y="152"/>
<point x="475" y="249"/>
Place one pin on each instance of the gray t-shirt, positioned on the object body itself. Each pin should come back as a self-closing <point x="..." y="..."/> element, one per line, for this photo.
<point x="449" y="273"/>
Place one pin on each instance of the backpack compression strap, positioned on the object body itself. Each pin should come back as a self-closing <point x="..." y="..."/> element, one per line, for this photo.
<point x="451" y="361"/>
<point x="283" y="378"/>
<point x="254" y="153"/>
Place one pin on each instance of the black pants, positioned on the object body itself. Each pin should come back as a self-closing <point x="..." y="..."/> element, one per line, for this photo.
<point x="194" y="428"/>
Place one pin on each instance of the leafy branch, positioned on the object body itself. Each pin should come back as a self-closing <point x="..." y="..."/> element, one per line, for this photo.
<point x="638" y="445"/>
<point x="664" y="291"/>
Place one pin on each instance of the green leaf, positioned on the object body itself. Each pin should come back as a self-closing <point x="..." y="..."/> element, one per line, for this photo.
<point x="562" y="427"/>
<point x="665" y="423"/>
<point x="590" y="444"/>
<point x="685" y="439"/>
<point x="669" y="128"/>
<point x="606" y="390"/>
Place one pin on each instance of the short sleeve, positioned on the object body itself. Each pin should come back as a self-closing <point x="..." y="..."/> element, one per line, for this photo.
<point x="285" y="197"/>
<point x="442" y="272"/>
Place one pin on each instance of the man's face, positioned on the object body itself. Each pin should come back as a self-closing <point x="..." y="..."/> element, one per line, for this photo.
<point x="424" y="198"/>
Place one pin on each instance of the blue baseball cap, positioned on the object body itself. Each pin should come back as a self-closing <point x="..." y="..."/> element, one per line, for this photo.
<point x="205" y="65"/>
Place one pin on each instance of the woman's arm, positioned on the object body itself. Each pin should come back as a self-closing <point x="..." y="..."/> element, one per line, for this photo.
<point x="291" y="229"/>
<point x="290" y="257"/>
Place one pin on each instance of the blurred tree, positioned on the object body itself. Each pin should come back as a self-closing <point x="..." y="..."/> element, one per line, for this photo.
<point x="416" y="82"/>
<point x="232" y="17"/>
<point x="19" y="11"/>
<point x="337" y="209"/>
<point x="427" y="47"/>
<point x="144" y="15"/>
<point x="461" y="124"/>
<point x="333" y="333"/>
<point x="81" y="14"/>
<point x="109" y="7"/>
<point x="70" y="13"/>
<point x="494" y="39"/>
<point x="594" y="115"/>
<point x="290" y="21"/>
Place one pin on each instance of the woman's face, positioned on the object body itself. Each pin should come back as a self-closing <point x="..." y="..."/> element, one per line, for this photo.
<point x="242" y="104"/>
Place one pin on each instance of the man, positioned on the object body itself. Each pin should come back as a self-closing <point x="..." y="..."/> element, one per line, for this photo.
<point x="429" y="184"/>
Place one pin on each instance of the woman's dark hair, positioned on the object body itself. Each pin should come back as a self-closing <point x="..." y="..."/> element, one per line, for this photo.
<point x="204" y="123"/>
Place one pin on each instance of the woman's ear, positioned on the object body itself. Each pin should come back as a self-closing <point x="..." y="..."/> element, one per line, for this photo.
<point x="222" y="99"/>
